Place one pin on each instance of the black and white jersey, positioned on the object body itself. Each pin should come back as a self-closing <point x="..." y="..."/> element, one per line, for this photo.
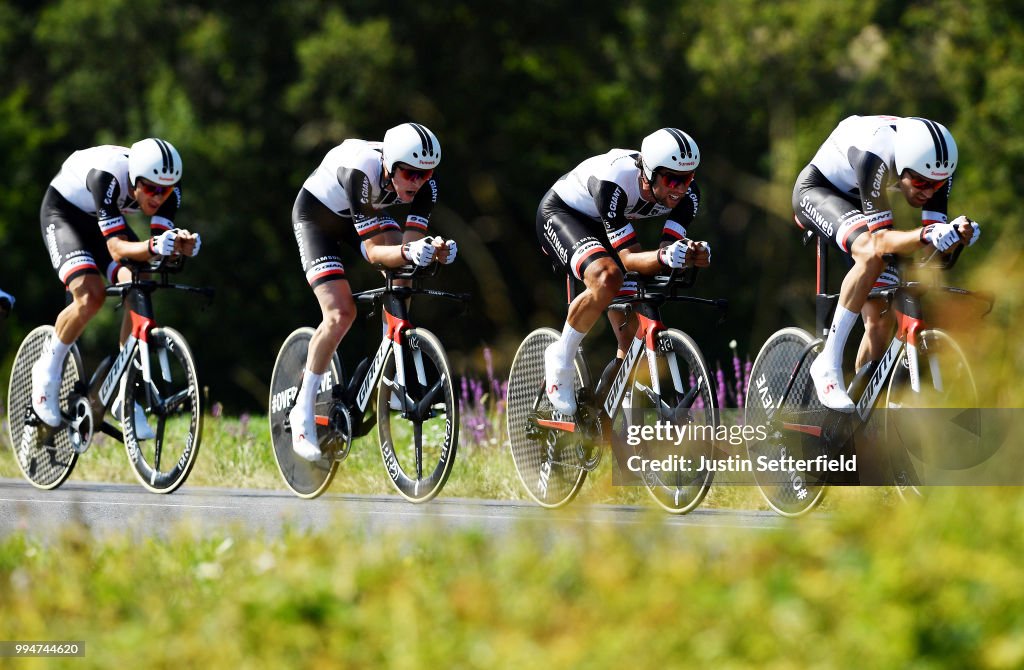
<point x="349" y="181"/>
<point x="858" y="159"/>
<point x="96" y="181"/>
<point x="606" y="188"/>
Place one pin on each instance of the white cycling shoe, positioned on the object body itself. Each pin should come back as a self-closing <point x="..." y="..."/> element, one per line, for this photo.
<point x="559" y="382"/>
<point x="828" y="384"/>
<point x="304" y="440"/>
<point x="45" y="392"/>
<point x="143" y="431"/>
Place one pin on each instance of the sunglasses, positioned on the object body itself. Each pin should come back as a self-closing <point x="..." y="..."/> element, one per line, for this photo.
<point x="922" y="184"/>
<point x="676" y="179"/>
<point x="413" y="174"/>
<point x="149" y="188"/>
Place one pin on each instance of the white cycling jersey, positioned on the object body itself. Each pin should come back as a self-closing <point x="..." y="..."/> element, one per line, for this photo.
<point x="95" y="180"/>
<point x="606" y="188"/>
<point x="858" y="159"/>
<point x="355" y="167"/>
<point x="855" y="136"/>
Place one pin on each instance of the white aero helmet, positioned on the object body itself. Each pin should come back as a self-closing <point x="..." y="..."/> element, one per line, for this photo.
<point x="155" y="160"/>
<point x="412" y="144"/>
<point x="926" y="147"/>
<point x="669" y="148"/>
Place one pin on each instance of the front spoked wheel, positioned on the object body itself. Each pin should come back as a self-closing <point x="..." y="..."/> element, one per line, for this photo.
<point x="418" y="424"/>
<point x="45" y="455"/>
<point x="171" y="407"/>
<point x="937" y="428"/>
<point x="790" y="492"/>
<point x="551" y="463"/>
<point x="304" y="478"/>
<point x="673" y="388"/>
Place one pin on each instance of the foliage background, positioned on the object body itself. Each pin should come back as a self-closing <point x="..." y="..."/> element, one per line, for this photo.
<point x="253" y="95"/>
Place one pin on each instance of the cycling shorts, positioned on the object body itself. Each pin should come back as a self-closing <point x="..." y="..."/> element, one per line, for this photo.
<point x="74" y="240"/>
<point x="319" y="233"/>
<point x="837" y="216"/>
<point x="571" y="240"/>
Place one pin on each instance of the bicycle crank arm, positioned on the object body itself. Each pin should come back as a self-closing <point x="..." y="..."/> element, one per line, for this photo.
<point x="538" y="424"/>
<point x="108" y="429"/>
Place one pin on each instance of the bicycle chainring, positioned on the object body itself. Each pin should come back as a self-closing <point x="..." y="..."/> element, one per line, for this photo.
<point x="338" y="441"/>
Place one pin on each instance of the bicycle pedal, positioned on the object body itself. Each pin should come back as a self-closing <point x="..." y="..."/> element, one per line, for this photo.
<point x="584" y="398"/>
<point x="31" y="418"/>
<point x="533" y="431"/>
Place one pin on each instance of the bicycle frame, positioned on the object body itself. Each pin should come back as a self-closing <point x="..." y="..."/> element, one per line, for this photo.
<point x="905" y="301"/>
<point x="102" y="389"/>
<point x="880" y="371"/>
<point x="646" y="306"/>
<point x="137" y="293"/>
<point x="396" y="317"/>
<point x="392" y="300"/>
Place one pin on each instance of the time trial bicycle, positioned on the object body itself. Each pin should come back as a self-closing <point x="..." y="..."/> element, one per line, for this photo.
<point x="407" y="384"/>
<point x="663" y="379"/>
<point x="923" y="373"/>
<point x="157" y="372"/>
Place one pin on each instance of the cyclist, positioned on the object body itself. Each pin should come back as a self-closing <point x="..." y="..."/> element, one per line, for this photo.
<point x="344" y="200"/>
<point x="83" y="226"/>
<point x="844" y="193"/>
<point x="584" y="223"/>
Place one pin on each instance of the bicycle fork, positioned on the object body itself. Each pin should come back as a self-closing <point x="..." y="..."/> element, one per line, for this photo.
<point x="396" y="339"/>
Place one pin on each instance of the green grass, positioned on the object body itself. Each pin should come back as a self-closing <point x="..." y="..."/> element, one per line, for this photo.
<point x="932" y="586"/>
<point x="237" y="453"/>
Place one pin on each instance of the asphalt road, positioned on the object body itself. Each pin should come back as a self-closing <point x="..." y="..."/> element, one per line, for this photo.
<point x="106" y="508"/>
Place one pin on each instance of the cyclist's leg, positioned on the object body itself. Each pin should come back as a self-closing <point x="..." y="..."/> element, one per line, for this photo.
<point x="624" y="328"/>
<point x="878" y="327"/>
<point x="622" y="325"/>
<point x="817" y="204"/>
<point x="317" y="231"/>
<point x="75" y="247"/>
<point x="580" y="246"/>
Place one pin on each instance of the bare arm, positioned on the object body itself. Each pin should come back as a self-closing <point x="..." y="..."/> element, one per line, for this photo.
<point x="635" y="259"/>
<point x="121" y="248"/>
<point x="899" y="242"/>
<point x="389" y="255"/>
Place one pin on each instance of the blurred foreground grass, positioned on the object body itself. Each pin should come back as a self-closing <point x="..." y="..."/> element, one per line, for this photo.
<point x="873" y="586"/>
